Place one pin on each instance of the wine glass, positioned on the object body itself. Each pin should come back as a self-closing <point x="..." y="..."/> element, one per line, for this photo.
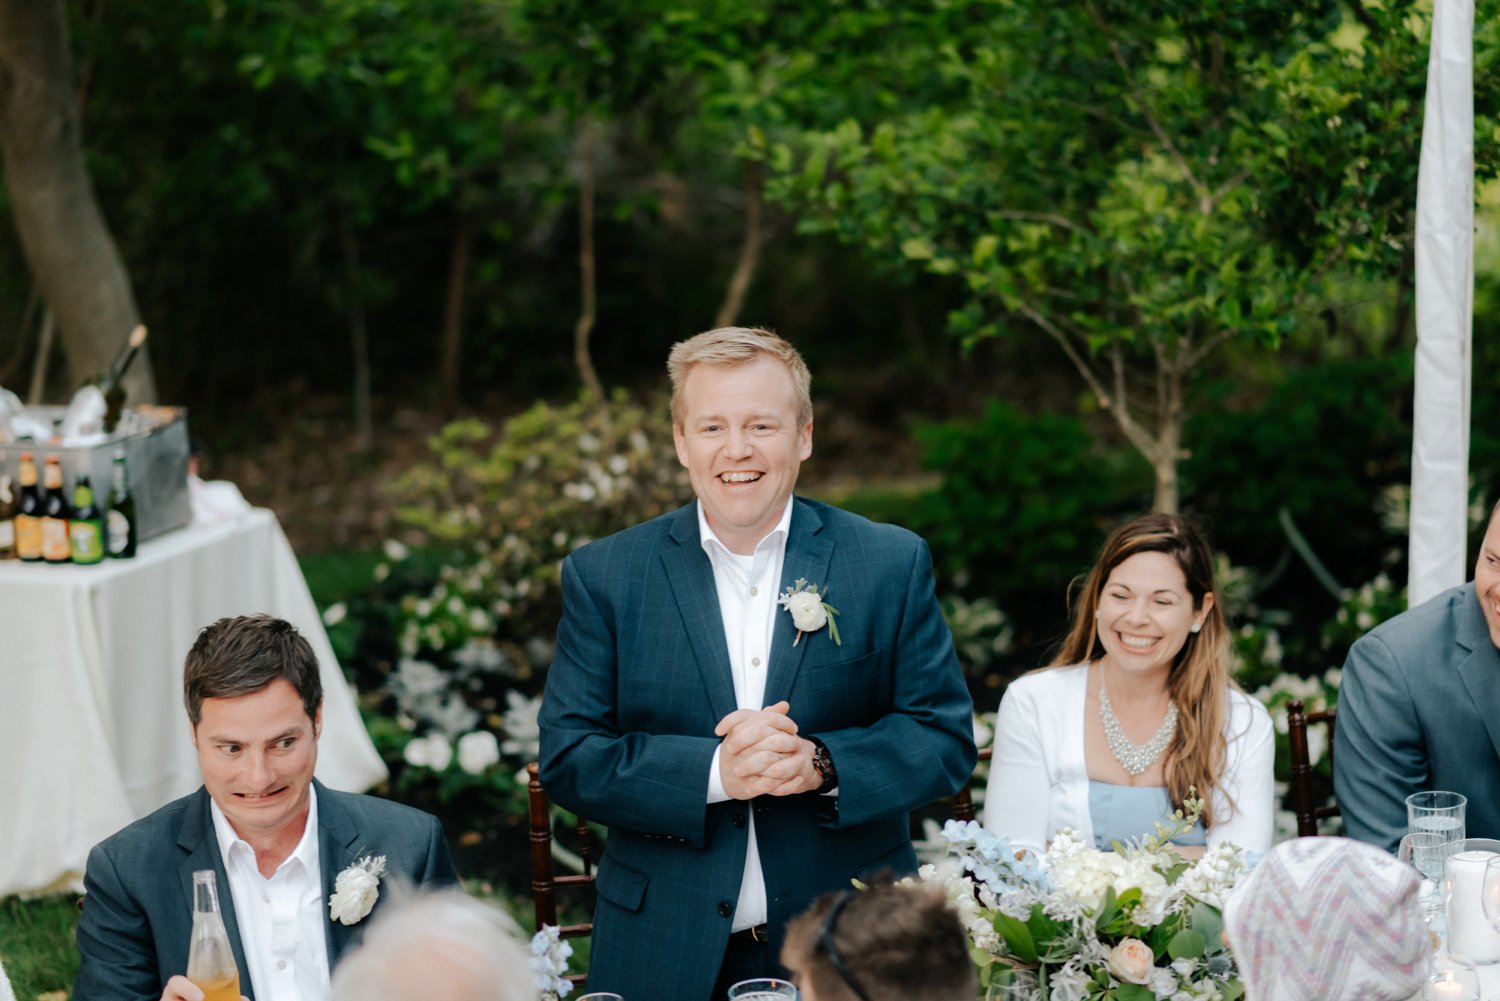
<point x="1424" y="851"/>
<point x="767" y="989"/>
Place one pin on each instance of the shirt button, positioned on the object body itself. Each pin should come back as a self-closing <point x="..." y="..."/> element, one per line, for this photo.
<point x="739" y="820"/>
<point x="265" y="898"/>
<point x="755" y="662"/>
<point x="754" y="591"/>
<point x="725" y="910"/>
<point x="281" y="964"/>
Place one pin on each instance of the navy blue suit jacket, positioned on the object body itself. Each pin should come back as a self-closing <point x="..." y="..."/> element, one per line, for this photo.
<point x="640" y="679"/>
<point x="137" y="916"/>
<point x="1419" y="708"/>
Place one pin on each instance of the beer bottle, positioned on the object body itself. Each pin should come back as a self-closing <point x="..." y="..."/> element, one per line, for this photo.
<point x="120" y="525"/>
<point x="86" y="526"/>
<point x="10" y="503"/>
<point x="55" y="514"/>
<point x="210" y="959"/>
<point x="29" y="516"/>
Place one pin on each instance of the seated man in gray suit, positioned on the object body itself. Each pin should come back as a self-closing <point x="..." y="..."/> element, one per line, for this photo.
<point x="1419" y="708"/>
<point x="276" y="838"/>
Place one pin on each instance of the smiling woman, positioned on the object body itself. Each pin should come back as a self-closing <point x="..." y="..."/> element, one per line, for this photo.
<point x="1137" y="712"/>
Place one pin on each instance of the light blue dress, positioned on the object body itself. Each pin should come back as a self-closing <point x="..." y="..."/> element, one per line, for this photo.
<point x="1121" y="812"/>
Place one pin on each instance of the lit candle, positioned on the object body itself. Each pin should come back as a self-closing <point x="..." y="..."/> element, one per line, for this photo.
<point x="1448" y="990"/>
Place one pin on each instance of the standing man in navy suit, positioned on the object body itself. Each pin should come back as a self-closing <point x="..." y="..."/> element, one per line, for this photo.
<point x="277" y="839"/>
<point x="747" y="750"/>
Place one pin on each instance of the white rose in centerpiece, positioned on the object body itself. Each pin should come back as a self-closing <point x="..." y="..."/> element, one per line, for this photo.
<point x="1132" y="961"/>
<point x="808" y="614"/>
<point x="477" y="751"/>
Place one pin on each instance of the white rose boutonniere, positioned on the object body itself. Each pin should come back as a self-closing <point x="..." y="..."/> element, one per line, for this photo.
<point x="356" y="889"/>
<point x="809" y="611"/>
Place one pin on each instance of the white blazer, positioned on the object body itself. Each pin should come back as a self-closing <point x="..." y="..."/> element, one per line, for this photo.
<point x="1039" y="782"/>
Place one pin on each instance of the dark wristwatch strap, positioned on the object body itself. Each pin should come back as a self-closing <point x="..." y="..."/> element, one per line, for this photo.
<point x="823" y="762"/>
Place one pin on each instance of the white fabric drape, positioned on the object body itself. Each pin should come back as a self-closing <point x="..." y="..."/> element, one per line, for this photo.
<point x="1445" y="297"/>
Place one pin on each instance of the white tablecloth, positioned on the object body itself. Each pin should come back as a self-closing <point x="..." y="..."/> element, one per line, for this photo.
<point x="93" y="734"/>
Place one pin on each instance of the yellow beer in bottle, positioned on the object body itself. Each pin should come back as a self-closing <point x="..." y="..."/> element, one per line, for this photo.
<point x="210" y="959"/>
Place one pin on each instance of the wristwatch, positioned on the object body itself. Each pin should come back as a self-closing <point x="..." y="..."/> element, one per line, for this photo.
<point x="823" y="762"/>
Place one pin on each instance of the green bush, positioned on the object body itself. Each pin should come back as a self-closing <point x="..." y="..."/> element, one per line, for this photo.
<point x="1023" y="506"/>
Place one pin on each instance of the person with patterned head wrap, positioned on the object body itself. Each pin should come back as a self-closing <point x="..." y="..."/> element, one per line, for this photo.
<point x="1329" y="919"/>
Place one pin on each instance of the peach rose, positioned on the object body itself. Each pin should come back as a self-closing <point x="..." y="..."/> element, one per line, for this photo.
<point x="1131" y="961"/>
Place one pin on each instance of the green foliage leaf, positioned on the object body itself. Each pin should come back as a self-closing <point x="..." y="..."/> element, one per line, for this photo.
<point x="1187" y="944"/>
<point x="1018" y="939"/>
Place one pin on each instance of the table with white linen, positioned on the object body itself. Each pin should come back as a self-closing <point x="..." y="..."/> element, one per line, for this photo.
<point x="93" y="733"/>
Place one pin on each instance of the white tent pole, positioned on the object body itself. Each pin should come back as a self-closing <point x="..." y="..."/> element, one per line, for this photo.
<point x="1445" y="299"/>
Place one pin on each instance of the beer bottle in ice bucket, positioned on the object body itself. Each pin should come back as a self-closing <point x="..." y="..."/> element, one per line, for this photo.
<point x="210" y="959"/>
<point x="86" y="527"/>
<point x="55" y="515"/>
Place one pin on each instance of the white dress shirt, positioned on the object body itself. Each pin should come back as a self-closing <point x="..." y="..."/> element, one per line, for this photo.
<point x="281" y="919"/>
<point x="747" y="604"/>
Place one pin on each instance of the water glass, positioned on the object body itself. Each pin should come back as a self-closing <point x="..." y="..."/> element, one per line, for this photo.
<point x="1424" y="852"/>
<point x="601" y="996"/>
<point x="1437" y="811"/>
<point x="763" y="990"/>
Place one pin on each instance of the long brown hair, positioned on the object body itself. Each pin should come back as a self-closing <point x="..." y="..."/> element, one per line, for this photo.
<point x="1199" y="679"/>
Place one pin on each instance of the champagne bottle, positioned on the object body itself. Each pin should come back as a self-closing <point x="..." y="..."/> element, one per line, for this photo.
<point x="54" y="515"/>
<point x="120" y="525"/>
<point x="29" y="517"/>
<point x="86" y="526"/>
<point x="10" y="504"/>
<point x="210" y="959"/>
<point x="110" y="385"/>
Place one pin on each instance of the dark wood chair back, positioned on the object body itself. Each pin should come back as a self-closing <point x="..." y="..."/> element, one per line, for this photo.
<point x="545" y="882"/>
<point x="963" y="800"/>
<point x="1307" y="810"/>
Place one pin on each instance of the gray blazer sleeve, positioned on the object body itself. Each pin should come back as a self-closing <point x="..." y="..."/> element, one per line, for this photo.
<point x="1380" y="754"/>
<point x="117" y="950"/>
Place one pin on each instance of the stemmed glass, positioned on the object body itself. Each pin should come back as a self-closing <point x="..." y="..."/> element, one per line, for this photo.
<point x="1425" y="851"/>
<point x="767" y="989"/>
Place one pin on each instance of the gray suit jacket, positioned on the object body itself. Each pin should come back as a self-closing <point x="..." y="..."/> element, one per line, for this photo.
<point x="1419" y="708"/>
<point x="138" y="912"/>
<point x="641" y="677"/>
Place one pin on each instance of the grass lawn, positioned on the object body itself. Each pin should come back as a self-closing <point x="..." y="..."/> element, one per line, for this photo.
<point x="36" y="945"/>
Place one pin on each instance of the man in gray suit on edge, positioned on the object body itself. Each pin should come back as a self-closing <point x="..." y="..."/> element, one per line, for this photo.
<point x="747" y="752"/>
<point x="276" y="838"/>
<point x="1419" y="709"/>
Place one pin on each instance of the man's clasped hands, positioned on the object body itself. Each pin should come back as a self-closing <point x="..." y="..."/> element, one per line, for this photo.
<point x="761" y="754"/>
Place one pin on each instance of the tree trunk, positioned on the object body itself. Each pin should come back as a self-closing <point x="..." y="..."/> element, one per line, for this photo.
<point x="359" y="335"/>
<point x="587" y="184"/>
<point x="67" y="244"/>
<point x="749" y="259"/>
<point x="453" y="314"/>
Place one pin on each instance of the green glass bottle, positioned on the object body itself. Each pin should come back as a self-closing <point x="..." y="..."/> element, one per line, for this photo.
<point x="120" y="525"/>
<point x="86" y="527"/>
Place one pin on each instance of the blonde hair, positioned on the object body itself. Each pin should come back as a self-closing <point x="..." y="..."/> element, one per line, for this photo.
<point x="436" y="943"/>
<point x="736" y="346"/>
<point x="1198" y="681"/>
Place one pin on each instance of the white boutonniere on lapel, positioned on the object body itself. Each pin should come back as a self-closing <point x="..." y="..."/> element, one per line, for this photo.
<point x="809" y="611"/>
<point x="356" y="889"/>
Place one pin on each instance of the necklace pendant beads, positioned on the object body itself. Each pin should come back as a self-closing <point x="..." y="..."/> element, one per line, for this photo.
<point x="1134" y="758"/>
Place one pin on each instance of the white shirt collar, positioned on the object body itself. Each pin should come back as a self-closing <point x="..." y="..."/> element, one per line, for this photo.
<point x="306" y="851"/>
<point x="707" y="534"/>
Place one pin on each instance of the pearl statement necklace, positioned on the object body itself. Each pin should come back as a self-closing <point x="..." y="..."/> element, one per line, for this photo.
<point x="1134" y="759"/>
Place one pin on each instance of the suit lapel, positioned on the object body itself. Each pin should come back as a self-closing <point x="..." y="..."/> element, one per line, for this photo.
<point x="809" y="549"/>
<point x="337" y="837"/>
<point x="198" y="839"/>
<point x="691" y="578"/>
<point x="1480" y="670"/>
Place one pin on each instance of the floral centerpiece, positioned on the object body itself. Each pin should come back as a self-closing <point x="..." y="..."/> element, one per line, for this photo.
<point x="1134" y="924"/>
